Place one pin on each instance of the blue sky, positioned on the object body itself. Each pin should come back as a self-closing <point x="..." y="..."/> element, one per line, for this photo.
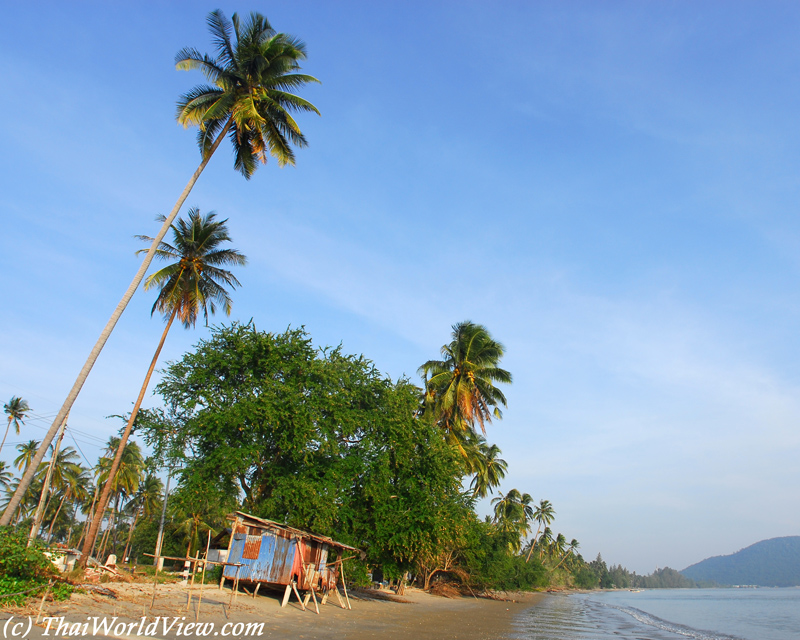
<point x="611" y="188"/>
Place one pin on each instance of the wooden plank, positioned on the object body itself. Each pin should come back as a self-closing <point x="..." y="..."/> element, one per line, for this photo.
<point x="344" y="586"/>
<point x="299" y="599"/>
<point x="202" y="580"/>
<point x="191" y="584"/>
<point x="338" y="595"/>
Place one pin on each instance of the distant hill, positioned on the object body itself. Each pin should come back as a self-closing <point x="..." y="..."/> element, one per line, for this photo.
<point x="769" y="563"/>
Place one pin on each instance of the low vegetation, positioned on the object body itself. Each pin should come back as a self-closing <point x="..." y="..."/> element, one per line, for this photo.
<point x="26" y="571"/>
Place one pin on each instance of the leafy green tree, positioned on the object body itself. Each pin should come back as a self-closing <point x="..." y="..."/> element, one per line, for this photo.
<point x="318" y="439"/>
<point x="487" y="564"/>
<point x="198" y="507"/>
<point x="599" y="568"/>
<point x="194" y="283"/>
<point x="251" y="100"/>
<point x="16" y="409"/>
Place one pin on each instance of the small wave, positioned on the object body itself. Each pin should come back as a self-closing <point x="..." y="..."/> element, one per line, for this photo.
<point x="672" y="627"/>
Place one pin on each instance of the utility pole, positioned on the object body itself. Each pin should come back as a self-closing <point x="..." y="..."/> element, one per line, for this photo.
<point x="156" y="560"/>
<point x="37" y="519"/>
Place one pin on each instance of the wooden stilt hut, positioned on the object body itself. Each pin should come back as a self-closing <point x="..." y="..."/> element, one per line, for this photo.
<point x="279" y="556"/>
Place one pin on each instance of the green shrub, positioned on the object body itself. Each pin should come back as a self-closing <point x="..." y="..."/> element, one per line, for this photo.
<point x="25" y="571"/>
<point x="586" y="578"/>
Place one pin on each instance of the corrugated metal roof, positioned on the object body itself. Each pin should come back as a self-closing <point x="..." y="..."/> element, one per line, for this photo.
<point x="277" y="526"/>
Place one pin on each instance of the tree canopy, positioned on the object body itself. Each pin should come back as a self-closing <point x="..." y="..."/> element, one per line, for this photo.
<point x="315" y="438"/>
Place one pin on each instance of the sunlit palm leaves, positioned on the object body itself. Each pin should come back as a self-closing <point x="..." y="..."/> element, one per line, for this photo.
<point x="543" y="514"/>
<point x="5" y="475"/>
<point x="195" y="282"/>
<point x="484" y="461"/>
<point x="147" y="500"/>
<point x="512" y="516"/>
<point x="459" y="389"/>
<point x="16" y="409"/>
<point x="26" y="452"/>
<point x="252" y="79"/>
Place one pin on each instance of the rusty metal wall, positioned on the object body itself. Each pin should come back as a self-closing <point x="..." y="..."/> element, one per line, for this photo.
<point x="314" y="555"/>
<point x="273" y="562"/>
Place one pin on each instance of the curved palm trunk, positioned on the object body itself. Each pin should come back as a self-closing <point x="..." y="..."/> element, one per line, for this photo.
<point x="564" y="557"/>
<point x="55" y="517"/>
<point x="533" y="543"/>
<point x="88" y="543"/>
<point x="110" y="523"/>
<point x="27" y="478"/>
<point x="130" y="534"/>
<point x="43" y="501"/>
<point x="2" y="444"/>
<point x="72" y="523"/>
<point x="89" y="516"/>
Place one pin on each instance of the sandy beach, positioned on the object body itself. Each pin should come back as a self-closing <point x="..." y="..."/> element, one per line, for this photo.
<point x="417" y="615"/>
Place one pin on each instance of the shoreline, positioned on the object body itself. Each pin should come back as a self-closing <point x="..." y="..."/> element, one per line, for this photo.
<point x="417" y="615"/>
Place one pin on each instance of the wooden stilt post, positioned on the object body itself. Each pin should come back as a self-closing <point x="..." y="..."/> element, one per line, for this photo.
<point x="235" y="587"/>
<point x="203" y="578"/>
<point x="339" y="596"/>
<point x="314" y="598"/>
<point x="255" y="591"/>
<point x="191" y="583"/>
<point x="286" y="595"/>
<point x="44" y="597"/>
<point x="297" y="593"/>
<point x="234" y="526"/>
<point x="344" y="586"/>
<point x="155" y="583"/>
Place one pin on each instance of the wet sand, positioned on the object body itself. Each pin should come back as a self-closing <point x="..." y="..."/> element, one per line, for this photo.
<point x="416" y="615"/>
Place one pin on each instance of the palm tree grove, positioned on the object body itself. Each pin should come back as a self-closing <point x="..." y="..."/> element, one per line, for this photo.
<point x="265" y="421"/>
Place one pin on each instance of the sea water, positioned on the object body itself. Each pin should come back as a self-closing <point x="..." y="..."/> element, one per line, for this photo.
<point x="665" y="614"/>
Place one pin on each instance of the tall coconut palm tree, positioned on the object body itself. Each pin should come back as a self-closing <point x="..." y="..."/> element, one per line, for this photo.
<point x="543" y="514"/>
<point x="194" y="283"/>
<point x="146" y="503"/>
<point x="460" y="389"/>
<point x="512" y="515"/>
<point x="121" y="485"/>
<point x="250" y="100"/>
<point x="72" y="484"/>
<point x="78" y="489"/>
<point x="26" y="452"/>
<point x="545" y="541"/>
<point x="5" y="475"/>
<point x="559" y="546"/>
<point x="16" y="409"/>
<point x="570" y="552"/>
